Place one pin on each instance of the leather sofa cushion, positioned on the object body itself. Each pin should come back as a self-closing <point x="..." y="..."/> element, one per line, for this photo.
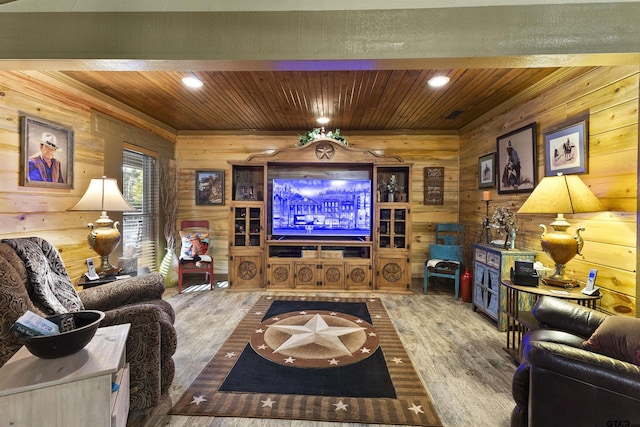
<point x="520" y="385"/>
<point x="552" y="335"/>
<point x="554" y="313"/>
<point x="617" y="337"/>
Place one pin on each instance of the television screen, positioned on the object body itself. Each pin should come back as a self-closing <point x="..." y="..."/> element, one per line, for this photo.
<point x="321" y="207"/>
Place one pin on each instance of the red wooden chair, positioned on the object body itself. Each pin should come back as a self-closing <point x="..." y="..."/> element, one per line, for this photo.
<point x="195" y="254"/>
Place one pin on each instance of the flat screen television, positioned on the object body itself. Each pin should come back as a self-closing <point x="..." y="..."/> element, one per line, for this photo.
<point x="321" y="208"/>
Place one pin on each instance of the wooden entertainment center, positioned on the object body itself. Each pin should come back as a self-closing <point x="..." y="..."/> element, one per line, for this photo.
<point x="377" y="259"/>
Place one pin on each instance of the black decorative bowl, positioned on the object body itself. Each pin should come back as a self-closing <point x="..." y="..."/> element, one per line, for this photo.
<point x="66" y="343"/>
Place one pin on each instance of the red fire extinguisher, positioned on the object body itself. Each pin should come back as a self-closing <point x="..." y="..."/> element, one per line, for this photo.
<point x="466" y="286"/>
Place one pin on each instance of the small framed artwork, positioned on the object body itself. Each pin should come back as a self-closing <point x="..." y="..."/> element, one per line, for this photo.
<point x="47" y="153"/>
<point x="487" y="171"/>
<point x="210" y="187"/>
<point x="246" y="192"/>
<point x="434" y="185"/>
<point x="516" y="160"/>
<point x="566" y="149"/>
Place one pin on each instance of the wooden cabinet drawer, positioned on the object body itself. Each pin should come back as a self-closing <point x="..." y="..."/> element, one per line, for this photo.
<point x="493" y="260"/>
<point x="120" y="399"/>
<point x="481" y="256"/>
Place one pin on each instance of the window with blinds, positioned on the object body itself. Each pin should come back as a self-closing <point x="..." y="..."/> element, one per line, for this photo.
<point x="140" y="188"/>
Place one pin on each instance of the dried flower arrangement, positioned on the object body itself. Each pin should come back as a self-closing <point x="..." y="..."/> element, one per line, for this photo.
<point x="504" y="219"/>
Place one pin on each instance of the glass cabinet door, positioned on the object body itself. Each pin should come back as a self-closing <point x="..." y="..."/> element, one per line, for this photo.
<point x="247" y="226"/>
<point x="392" y="228"/>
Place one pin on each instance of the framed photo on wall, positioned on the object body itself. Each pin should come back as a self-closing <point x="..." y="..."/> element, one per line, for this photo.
<point x="565" y="149"/>
<point x="47" y="153"/>
<point x="516" y="164"/>
<point x="487" y="171"/>
<point x="434" y="185"/>
<point x="210" y="187"/>
<point x="246" y="191"/>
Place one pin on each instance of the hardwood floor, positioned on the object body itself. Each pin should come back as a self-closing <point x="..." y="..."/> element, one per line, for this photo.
<point x="457" y="352"/>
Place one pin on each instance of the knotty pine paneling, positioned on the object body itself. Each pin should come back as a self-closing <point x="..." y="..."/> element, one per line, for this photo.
<point x="201" y="152"/>
<point x="608" y="98"/>
<point x="42" y="212"/>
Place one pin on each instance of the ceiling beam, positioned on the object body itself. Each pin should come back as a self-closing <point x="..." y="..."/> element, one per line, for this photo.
<point x="527" y="36"/>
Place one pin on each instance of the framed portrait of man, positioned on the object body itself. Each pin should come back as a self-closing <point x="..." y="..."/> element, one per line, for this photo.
<point x="47" y="153"/>
<point x="516" y="160"/>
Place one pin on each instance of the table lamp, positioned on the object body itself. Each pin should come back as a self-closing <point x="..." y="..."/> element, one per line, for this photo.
<point x="103" y="195"/>
<point x="561" y="194"/>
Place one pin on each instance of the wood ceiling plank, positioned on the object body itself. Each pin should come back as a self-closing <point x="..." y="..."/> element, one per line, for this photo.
<point x="291" y="100"/>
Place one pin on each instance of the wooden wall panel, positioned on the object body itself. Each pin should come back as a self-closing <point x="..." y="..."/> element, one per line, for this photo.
<point x="608" y="98"/>
<point x="42" y="212"/>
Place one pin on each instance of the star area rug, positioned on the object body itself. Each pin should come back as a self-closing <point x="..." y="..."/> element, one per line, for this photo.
<point x="312" y="358"/>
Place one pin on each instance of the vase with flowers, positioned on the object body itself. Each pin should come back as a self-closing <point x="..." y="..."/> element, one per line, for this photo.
<point x="504" y="221"/>
<point x="391" y="187"/>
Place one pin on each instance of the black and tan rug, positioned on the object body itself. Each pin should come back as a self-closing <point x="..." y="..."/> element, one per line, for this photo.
<point x="312" y="358"/>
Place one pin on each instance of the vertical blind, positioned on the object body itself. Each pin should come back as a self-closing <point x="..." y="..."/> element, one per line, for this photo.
<point x="140" y="188"/>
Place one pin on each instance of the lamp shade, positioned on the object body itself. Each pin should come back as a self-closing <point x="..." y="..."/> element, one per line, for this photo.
<point x="103" y="194"/>
<point x="561" y="194"/>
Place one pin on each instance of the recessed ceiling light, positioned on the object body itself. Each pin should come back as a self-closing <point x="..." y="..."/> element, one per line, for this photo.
<point x="323" y="120"/>
<point x="438" y="81"/>
<point x="192" y="81"/>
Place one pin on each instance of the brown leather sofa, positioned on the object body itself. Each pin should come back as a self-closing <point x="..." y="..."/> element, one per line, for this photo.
<point x="562" y="381"/>
<point x="152" y="338"/>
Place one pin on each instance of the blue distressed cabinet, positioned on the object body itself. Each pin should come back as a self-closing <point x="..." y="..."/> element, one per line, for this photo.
<point x="490" y="265"/>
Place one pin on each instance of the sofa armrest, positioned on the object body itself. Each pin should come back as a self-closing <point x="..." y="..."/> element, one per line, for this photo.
<point x="122" y="292"/>
<point x="583" y="365"/>
<point x="560" y="314"/>
<point x="150" y="345"/>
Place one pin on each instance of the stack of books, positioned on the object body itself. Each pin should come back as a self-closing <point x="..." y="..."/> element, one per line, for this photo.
<point x="32" y="325"/>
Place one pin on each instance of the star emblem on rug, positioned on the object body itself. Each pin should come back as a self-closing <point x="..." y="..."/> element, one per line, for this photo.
<point x="340" y="406"/>
<point x="315" y="338"/>
<point x="315" y="331"/>
<point x="198" y="399"/>
<point x="416" y="408"/>
<point x="268" y="403"/>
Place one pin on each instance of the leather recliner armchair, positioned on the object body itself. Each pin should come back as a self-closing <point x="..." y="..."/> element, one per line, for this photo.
<point x="138" y="301"/>
<point x="561" y="382"/>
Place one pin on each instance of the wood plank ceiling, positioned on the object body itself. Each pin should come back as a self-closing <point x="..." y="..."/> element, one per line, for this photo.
<point x="363" y="100"/>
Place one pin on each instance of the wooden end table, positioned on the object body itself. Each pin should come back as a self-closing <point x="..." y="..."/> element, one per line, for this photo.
<point x="71" y="391"/>
<point x="520" y="300"/>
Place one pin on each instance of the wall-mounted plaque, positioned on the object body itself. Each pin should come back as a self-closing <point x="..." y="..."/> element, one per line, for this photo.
<point x="434" y="186"/>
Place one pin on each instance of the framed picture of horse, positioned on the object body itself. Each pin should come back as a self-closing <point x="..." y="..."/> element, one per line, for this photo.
<point x="210" y="187"/>
<point x="517" y="167"/>
<point x="487" y="171"/>
<point x="566" y="149"/>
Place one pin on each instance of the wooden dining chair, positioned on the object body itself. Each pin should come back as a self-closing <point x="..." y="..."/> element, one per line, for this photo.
<point x="195" y="254"/>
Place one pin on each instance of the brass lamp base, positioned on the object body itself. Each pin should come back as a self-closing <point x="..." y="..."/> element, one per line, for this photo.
<point x="104" y="238"/>
<point x="561" y="248"/>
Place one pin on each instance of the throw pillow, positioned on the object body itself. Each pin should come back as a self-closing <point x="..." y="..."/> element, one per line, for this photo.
<point x="194" y="244"/>
<point x="617" y="337"/>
